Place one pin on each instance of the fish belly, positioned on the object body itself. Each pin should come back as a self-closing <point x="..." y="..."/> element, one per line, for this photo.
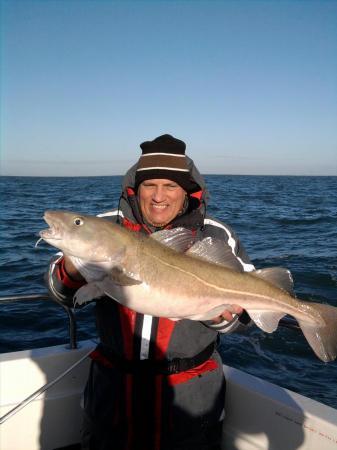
<point x="160" y="303"/>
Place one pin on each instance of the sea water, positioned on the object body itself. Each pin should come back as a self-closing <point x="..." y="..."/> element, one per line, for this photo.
<point x="281" y="221"/>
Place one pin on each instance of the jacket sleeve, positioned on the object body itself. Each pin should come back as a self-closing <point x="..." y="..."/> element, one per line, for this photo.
<point x="223" y="232"/>
<point x="61" y="287"/>
<point x="239" y="323"/>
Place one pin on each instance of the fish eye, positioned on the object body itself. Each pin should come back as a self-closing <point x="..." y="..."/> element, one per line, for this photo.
<point x="78" y="221"/>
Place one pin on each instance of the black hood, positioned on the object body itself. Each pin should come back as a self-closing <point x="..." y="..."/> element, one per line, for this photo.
<point x="129" y="178"/>
<point x="197" y="200"/>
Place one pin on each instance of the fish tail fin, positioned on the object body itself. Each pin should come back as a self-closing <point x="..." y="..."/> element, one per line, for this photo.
<point x="322" y="338"/>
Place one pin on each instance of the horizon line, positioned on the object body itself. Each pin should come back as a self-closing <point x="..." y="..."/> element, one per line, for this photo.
<point x="203" y="174"/>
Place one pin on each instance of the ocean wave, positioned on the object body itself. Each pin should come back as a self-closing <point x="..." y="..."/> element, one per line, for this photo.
<point x="326" y="219"/>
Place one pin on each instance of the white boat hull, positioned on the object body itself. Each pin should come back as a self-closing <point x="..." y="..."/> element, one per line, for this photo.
<point x="259" y="415"/>
<point x="53" y="420"/>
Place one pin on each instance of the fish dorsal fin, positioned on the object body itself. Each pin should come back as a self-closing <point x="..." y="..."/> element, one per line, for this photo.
<point x="266" y="320"/>
<point x="215" y="251"/>
<point x="278" y="276"/>
<point x="178" y="239"/>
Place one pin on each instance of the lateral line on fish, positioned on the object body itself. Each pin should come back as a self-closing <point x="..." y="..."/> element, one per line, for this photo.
<point x="209" y="284"/>
<point x="226" y="290"/>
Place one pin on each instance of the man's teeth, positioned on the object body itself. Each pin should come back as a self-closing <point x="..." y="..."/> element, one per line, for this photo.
<point x="159" y="206"/>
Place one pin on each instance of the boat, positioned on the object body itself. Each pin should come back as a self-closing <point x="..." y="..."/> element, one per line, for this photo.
<point x="41" y="391"/>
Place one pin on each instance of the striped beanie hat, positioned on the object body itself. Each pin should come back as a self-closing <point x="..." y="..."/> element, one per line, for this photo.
<point x="164" y="157"/>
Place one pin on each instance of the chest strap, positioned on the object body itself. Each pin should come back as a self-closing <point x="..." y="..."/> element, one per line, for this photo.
<point x="167" y="366"/>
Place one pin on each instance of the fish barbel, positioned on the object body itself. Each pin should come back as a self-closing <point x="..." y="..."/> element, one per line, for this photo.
<point x="148" y="275"/>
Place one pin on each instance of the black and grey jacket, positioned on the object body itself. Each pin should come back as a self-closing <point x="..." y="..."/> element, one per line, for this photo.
<point x="176" y="399"/>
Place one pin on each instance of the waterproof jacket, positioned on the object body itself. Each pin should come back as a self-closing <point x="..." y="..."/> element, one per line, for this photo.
<point x="130" y="409"/>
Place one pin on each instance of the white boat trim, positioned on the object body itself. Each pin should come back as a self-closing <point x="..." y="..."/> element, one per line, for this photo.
<point x="259" y="415"/>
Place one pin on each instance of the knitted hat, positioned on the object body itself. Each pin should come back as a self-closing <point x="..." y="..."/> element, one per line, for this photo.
<point x="164" y="157"/>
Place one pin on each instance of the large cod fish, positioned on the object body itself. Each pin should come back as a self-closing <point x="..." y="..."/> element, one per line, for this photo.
<point x="156" y="275"/>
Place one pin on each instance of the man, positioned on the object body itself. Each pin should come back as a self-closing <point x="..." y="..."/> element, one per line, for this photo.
<point x="155" y="384"/>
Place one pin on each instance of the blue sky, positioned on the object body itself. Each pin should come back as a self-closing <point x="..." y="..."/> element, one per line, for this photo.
<point x="250" y="86"/>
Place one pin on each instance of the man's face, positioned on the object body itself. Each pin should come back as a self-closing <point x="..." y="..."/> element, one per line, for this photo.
<point x="160" y="201"/>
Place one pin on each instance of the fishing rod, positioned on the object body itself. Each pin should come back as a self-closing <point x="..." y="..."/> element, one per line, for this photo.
<point x="42" y="389"/>
<point x="13" y="298"/>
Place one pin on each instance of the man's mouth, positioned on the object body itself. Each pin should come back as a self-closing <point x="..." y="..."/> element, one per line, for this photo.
<point x="159" y="206"/>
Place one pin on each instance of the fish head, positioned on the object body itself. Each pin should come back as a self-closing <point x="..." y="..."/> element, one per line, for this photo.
<point x="86" y="237"/>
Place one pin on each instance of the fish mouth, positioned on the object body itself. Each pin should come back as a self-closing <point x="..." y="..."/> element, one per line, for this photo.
<point x="53" y="232"/>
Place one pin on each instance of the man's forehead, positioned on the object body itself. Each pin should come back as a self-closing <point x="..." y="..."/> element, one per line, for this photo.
<point x="159" y="181"/>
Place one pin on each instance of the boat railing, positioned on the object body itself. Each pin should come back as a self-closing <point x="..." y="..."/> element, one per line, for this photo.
<point x="72" y="327"/>
<point x="286" y="322"/>
<point x="72" y="345"/>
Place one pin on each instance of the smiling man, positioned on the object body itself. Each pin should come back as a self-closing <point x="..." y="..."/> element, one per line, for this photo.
<point x="160" y="201"/>
<point x="162" y="198"/>
<point x="155" y="383"/>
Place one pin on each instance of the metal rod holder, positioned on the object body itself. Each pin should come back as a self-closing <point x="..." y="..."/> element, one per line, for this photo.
<point x="70" y="313"/>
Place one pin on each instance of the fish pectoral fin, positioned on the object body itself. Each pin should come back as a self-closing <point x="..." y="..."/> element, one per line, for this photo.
<point x="123" y="278"/>
<point x="266" y="320"/>
<point x="89" y="271"/>
<point x="278" y="276"/>
<point x="87" y="293"/>
<point x="178" y="239"/>
<point x="215" y="251"/>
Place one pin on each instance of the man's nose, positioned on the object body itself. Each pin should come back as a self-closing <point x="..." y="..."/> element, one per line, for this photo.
<point x="159" y="194"/>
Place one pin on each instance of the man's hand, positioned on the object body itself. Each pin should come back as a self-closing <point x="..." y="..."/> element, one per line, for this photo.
<point x="227" y="314"/>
